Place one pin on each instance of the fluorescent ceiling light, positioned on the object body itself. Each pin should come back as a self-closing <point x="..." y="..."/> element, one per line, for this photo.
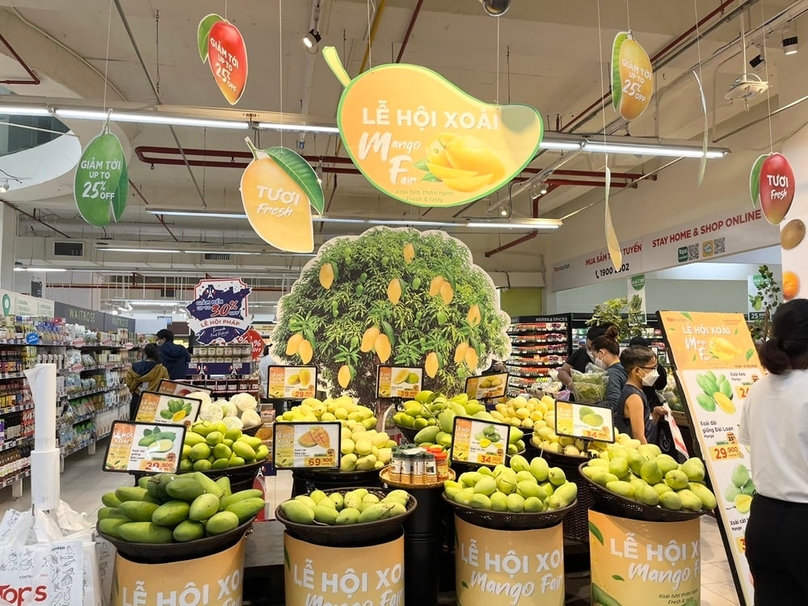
<point x="220" y="252"/>
<point x="560" y="145"/>
<point x="20" y="110"/>
<point x="115" y="116"/>
<point x="518" y="224"/>
<point x="39" y="269"/>
<point x="144" y="303"/>
<point x="194" y="213"/>
<point x="141" y="250"/>
<point x="652" y="150"/>
<point x="299" y="128"/>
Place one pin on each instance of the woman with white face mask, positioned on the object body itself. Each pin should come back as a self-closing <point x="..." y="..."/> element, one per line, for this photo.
<point x="606" y="352"/>
<point x="635" y="414"/>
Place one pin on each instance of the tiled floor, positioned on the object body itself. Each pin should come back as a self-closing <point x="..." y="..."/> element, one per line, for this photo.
<point x="83" y="483"/>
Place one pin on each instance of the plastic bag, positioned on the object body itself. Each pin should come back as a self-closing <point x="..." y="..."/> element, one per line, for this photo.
<point x="589" y="387"/>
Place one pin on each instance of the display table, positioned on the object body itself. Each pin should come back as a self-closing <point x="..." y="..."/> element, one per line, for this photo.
<point x="649" y="563"/>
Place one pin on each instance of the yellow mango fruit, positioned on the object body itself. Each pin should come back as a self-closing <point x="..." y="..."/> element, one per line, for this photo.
<point x="369" y="339"/>
<point x="409" y="253"/>
<point x="431" y="364"/>
<point x="326" y="275"/>
<point x="636" y="79"/>
<point x="722" y="349"/>
<point x="468" y="184"/>
<point x="446" y="292"/>
<point x="435" y="286"/>
<point x="382" y="347"/>
<point x="436" y="150"/>
<point x="443" y="172"/>
<point x="305" y="351"/>
<point x="460" y="352"/>
<point x="394" y="291"/>
<point x="724" y="403"/>
<point x="305" y="376"/>
<point x="293" y="344"/>
<point x="470" y="154"/>
<point x="344" y="376"/>
<point x="474" y="317"/>
<point x="472" y="359"/>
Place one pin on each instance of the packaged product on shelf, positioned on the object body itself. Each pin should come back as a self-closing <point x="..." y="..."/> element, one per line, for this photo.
<point x="589" y="387"/>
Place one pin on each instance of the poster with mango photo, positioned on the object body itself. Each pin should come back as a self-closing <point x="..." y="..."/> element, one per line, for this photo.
<point x="392" y="297"/>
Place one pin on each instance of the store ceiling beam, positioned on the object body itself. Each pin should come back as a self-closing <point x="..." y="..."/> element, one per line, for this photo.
<point x="416" y="11"/>
<point x="511" y="244"/>
<point x="35" y="81"/>
<point x="160" y="218"/>
<point x="33" y="217"/>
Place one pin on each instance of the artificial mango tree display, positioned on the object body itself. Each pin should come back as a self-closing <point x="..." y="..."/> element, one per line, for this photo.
<point x="396" y="297"/>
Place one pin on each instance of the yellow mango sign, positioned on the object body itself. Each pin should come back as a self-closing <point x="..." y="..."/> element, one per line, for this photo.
<point x="499" y="568"/>
<point x="632" y="77"/>
<point x="421" y="140"/>
<point x="215" y="580"/>
<point x="277" y="189"/>
<point x="648" y="563"/>
<point x="343" y="575"/>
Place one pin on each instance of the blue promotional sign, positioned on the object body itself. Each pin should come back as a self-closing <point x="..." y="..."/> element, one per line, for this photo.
<point x="219" y="313"/>
<point x="32" y="338"/>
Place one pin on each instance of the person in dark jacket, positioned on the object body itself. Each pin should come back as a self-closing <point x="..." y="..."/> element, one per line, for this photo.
<point x="650" y="391"/>
<point x="144" y="376"/>
<point x="174" y="357"/>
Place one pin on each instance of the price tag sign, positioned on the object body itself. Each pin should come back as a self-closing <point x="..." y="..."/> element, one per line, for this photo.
<point x="584" y="421"/>
<point x="291" y="382"/>
<point x="174" y="388"/>
<point x="166" y="409"/>
<point x="481" y="442"/>
<point x="32" y="338"/>
<point x="144" y="447"/>
<point x="398" y="382"/>
<point x="307" y="445"/>
<point x="487" y="387"/>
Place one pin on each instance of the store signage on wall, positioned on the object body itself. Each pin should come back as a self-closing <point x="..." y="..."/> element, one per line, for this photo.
<point x="716" y="363"/>
<point x="101" y="183"/>
<point x="15" y="304"/>
<point x="755" y="309"/>
<point x="219" y="313"/>
<point x="419" y="139"/>
<point x="716" y="236"/>
<point x="637" y="309"/>
<point x="648" y="563"/>
<point x="632" y="77"/>
<point x="278" y="189"/>
<point x="222" y="46"/>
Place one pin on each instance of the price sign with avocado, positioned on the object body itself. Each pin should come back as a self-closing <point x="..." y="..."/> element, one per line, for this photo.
<point x="584" y="421"/>
<point x="163" y="408"/>
<point x="144" y="447"/>
<point x="480" y="441"/>
<point x="291" y="382"/>
<point x="307" y="445"/>
<point x="398" y="382"/>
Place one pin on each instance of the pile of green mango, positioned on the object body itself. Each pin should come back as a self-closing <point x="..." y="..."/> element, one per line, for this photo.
<point x="645" y="475"/>
<point x="337" y="509"/>
<point x="167" y="508"/>
<point x="213" y="446"/>
<point x="529" y="487"/>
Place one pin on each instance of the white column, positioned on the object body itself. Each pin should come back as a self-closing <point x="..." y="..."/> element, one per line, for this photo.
<point x="8" y="236"/>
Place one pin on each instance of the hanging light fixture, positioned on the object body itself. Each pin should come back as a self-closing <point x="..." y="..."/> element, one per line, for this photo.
<point x="312" y="41"/>
<point x="496" y="8"/>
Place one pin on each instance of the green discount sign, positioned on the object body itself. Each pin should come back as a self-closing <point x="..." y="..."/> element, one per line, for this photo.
<point x="102" y="182"/>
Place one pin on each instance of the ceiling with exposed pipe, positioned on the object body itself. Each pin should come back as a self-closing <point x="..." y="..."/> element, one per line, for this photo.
<point x="551" y="55"/>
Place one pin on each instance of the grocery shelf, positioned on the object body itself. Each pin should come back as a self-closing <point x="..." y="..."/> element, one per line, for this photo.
<point x="40" y="344"/>
<point x="92" y="392"/>
<point x="5" y="376"/>
<point x="90" y="415"/>
<point x="18" y="408"/>
<point x="8" y="444"/>
<point x="18" y="476"/>
<point x="74" y="449"/>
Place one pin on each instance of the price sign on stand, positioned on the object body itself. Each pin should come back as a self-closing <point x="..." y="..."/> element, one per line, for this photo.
<point x="487" y="387"/>
<point x="144" y="447"/>
<point x="307" y="445"/>
<point x="291" y="382"/>
<point x="584" y="421"/>
<point x="398" y="382"/>
<point x="481" y="442"/>
<point x="716" y="363"/>
<point x="166" y="409"/>
<point x="175" y="388"/>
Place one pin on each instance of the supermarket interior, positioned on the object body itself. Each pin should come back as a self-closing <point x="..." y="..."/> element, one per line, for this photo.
<point x="461" y="302"/>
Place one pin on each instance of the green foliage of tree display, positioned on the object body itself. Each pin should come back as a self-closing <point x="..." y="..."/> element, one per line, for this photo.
<point x="333" y="307"/>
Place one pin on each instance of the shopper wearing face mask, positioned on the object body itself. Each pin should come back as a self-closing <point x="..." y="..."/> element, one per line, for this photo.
<point x="636" y="416"/>
<point x="606" y="350"/>
<point x="581" y="357"/>
<point x="650" y="390"/>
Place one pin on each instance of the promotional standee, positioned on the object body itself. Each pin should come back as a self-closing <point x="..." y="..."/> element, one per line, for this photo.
<point x="502" y="568"/>
<point x="648" y="563"/>
<point x="716" y="363"/>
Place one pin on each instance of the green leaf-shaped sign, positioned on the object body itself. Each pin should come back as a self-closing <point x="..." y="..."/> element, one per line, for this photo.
<point x="301" y="173"/>
<point x="101" y="184"/>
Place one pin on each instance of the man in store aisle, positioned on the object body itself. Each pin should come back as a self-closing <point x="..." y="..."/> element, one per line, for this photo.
<point x="174" y="357"/>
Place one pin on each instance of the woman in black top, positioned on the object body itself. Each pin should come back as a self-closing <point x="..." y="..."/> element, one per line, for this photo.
<point x="635" y="416"/>
<point x="582" y="356"/>
<point x="650" y="391"/>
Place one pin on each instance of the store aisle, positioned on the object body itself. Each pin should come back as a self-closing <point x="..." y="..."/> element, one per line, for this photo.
<point x="83" y="483"/>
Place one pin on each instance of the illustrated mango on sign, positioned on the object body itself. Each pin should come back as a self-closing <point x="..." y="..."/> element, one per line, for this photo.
<point x="277" y="190"/>
<point x="632" y="77"/>
<point x="421" y="140"/>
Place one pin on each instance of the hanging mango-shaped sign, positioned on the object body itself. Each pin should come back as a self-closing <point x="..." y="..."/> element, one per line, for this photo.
<point x="419" y="139"/>
<point x="277" y="190"/>
<point x="101" y="183"/>
<point x="772" y="185"/>
<point x="632" y="77"/>
<point x="221" y="45"/>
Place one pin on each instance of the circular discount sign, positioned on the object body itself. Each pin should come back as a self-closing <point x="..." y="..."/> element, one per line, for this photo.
<point x="254" y="338"/>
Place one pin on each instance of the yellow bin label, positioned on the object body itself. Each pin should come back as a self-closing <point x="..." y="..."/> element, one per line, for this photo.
<point x="500" y="568"/>
<point x="215" y="580"/>
<point x="321" y="576"/>
<point x="648" y="563"/>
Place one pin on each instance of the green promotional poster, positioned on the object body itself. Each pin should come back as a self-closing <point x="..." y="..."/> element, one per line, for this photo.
<point x="101" y="183"/>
